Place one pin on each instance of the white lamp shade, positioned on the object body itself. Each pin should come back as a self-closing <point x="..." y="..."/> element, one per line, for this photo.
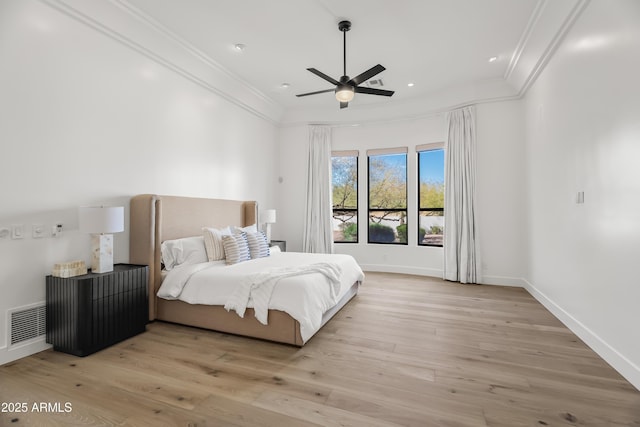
<point x="269" y="216"/>
<point x="101" y="219"/>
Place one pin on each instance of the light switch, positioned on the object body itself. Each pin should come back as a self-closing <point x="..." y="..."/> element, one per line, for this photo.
<point x="17" y="231"/>
<point x="4" y="232"/>
<point x="38" y="231"/>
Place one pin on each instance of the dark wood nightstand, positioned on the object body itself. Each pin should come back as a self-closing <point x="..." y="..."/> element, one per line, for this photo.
<point x="90" y="312"/>
<point x="282" y="244"/>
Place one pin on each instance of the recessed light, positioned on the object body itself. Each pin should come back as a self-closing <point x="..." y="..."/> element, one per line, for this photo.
<point x="240" y="47"/>
<point x="285" y="85"/>
<point x="410" y="84"/>
<point x="493" y="59"/>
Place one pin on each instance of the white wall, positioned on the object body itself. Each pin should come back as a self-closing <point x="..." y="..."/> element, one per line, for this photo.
<point x="85" y="119"/>
<point x="583" y="134"/>
<point x="292" y="181"/>
<point x="500" y="182"/>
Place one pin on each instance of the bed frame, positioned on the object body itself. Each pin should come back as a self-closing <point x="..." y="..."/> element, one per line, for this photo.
<point x="155" y="218"/>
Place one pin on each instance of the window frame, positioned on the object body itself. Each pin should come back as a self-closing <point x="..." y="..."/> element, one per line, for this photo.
<point x="356" y="154"/>
<point x="382" y="152"/>
<point x="421" y="149"/>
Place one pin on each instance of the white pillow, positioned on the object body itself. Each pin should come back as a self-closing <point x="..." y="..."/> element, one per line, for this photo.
<point x="275" y="249"/>
<point x="189" y="250"/>
<point x="258" y="246"/>
<point x="213" y="242"/>
<point x="248" y="229"/>
<point x="236" y="248"/>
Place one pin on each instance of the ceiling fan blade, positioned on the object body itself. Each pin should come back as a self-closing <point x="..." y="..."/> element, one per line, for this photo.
<point x="366" y="75"/>
<point x="344" y="105"/>
<point x="372" y="91"/>
<point x="316" y="92"/>
<point x="324" y="76"/>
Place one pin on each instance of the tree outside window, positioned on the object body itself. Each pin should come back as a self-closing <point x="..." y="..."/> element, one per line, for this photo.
<point x="431" y="195"/>
<point x="344" y="175"/>
<point x="388" y="196"/>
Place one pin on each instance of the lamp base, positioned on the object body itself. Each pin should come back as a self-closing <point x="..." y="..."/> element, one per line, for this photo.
<point x="101" y="253"/>
<point x="267" y="231"/>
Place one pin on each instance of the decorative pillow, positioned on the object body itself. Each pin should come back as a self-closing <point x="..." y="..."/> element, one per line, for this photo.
<point x="258" y="246"/>
<point x="275" y="249"/>
<point x="213" y="242"/>
<point x="236" y="248"/>
<point x="189" y="250"/>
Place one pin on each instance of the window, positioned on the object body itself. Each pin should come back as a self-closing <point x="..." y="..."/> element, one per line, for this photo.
<point x="431" y="194"/>
<point x="344" y="177"/>
<point x="388" y="196"/>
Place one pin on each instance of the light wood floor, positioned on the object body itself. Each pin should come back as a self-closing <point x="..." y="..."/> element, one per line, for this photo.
<point x="408" y="351"/>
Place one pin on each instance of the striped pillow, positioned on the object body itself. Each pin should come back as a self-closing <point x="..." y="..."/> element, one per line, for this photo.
<point x="258" y="246"/>
<point x="236" y="248"/>
<point x="213" y="242"/>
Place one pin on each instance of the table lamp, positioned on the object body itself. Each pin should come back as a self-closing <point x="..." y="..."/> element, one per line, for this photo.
<point x="101" y="221"/>
<point x="268" y="217"/>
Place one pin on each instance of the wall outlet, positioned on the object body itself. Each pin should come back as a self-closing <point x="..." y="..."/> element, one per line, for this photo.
<point x="17" y="231"/>
<point x="38" y="231"/>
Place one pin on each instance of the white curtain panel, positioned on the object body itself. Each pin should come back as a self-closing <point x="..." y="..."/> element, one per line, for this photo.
<point x="461" y="249"/>
<point x="318" y="230"/>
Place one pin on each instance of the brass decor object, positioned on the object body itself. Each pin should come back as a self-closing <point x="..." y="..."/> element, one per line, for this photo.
<point x="69" y="269"/>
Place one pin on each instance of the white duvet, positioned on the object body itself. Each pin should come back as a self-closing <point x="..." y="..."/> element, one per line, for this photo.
<point x="305" y="297"/>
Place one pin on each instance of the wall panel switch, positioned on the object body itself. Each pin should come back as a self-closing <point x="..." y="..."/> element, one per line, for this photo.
<point x="17" y="231"/>
<point x="38" y="231"/>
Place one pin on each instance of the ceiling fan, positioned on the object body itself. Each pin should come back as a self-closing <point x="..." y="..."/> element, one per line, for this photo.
<point x="346" y="88"/>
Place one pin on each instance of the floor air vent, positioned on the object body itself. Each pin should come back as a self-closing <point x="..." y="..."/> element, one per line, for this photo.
<point x="27" y="323"/>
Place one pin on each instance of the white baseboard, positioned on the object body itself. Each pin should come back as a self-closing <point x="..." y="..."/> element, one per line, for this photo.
<point x="624" y="366"/>
<point x="18" y="352"/>
<point x="401" y="269"/>
<point x="517" y="282"/>
<point x="434" y="272"/>
<point x="619" y="362"/>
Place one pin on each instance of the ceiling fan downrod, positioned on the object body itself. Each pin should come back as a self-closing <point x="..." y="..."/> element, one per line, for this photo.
<point x="344" y="26"/>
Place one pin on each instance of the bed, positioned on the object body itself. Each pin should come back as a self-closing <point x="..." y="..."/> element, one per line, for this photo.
<point x="155" y="219"/>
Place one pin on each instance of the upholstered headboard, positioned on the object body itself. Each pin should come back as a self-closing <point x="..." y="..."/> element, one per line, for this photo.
<point x="154" y="219"/>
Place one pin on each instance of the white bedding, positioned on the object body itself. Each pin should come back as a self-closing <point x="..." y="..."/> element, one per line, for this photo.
<point x="304" y="297"/>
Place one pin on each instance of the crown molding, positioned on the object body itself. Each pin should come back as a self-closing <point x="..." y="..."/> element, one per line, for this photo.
<point x="197" y="53"/>
<point x="433" y="104"/>
<point x="126" y="25"/>
<point x="524" y="38"/>
<point x="549" y="24"/>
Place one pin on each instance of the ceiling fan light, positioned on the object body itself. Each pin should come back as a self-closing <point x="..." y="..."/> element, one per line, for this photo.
<point x="344" y="93"/>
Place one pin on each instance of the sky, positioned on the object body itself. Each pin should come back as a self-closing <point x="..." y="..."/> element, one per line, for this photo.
<point x="432" y="166"/>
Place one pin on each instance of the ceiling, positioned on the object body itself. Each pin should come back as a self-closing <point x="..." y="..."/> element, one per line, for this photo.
<point x="434" y="44"/>
<point x="442" y="47"/>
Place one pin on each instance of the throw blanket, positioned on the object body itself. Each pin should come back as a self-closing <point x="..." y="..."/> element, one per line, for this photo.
<point x="260" y="286"/>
